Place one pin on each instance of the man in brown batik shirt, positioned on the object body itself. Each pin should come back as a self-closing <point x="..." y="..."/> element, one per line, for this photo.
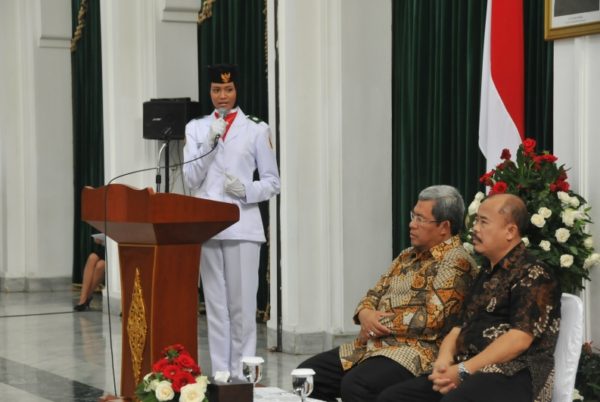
<point x="504" y="348"/>
<point x="402" y="317"/>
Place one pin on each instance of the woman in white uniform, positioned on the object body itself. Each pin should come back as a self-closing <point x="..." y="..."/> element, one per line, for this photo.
<point x="230" y="260"/>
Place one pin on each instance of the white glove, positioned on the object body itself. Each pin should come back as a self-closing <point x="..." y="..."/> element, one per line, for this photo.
<point x="216" y="128"/>
<point x="233" y="186"/>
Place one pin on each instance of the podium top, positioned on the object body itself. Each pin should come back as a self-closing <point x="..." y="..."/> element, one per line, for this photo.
<point x="145" y="217"/>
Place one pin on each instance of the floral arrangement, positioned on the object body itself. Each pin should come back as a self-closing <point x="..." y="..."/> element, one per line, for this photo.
<point x="559" y="217"/>
<point x="588" y="374"/>
<point x="174" y="377"/>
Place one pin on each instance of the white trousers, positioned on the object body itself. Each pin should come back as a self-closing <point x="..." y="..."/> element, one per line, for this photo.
<point x="229" y="272"/>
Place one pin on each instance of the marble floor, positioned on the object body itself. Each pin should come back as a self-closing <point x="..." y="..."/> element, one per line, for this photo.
<point x="48" y="352"/>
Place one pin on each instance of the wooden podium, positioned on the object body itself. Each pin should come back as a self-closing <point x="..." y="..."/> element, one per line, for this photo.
<point x="159" y="237"/>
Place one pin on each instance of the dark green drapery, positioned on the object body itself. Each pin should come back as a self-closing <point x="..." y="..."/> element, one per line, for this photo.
<point x="539" y="77"/>
<point x="236" y="33"/>
<point x="437" y="48"/>
<point x="88" y="148"/>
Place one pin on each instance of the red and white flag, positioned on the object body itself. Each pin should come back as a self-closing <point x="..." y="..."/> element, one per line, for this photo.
<point x="502" y="109"/>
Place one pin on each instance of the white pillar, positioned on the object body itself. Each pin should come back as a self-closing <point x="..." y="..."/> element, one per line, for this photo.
<point x="36" y="168"/>
<point x="576" y="140"/>
<point x="335" y="146"/>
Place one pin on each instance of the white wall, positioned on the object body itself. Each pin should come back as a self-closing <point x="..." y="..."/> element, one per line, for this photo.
<point x="576" y="139"/>
<point x="36" y="172"/>
<point x="335" y="103"/>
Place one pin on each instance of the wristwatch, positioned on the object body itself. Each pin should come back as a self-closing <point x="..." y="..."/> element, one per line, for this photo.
<point x="463" y="373"/>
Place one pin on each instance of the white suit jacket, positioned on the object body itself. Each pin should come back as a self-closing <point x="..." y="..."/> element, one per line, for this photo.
<point x="247" y="147"/>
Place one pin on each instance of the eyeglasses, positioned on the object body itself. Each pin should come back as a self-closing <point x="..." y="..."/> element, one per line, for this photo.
<point x="419" y="219"/>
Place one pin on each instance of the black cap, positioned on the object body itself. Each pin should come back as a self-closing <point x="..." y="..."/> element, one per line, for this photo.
<point x="223" y="74"/>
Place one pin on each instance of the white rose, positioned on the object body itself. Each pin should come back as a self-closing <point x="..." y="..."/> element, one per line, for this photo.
<point x="574" y="202"/>
<point x="192" y="393"/>
<point x="589" y="242"/>
<point x="474" y="207"/>
<point x="525" y="241"/>
<point x="568" y="216"/>
<point x="479" y="196"/>
<point x="545" y="245"/>
<point x="591" y="260"/>
<point x="147" y="382"/>
<point x="564" y="197"/>
<point x="545" y="212"/>
<point x="153" y="384"/>
<point x="538" y="220"/>
<point x="203" y="381"/>
<point x="562" y="235"/>
<point x="566" y="260"/>
<point x="164" y="391"/>
<point x="468" y="247"/>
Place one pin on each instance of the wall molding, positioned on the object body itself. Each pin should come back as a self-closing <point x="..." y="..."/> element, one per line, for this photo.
<point x="308" y="343"/>
<point x="180" y="11"/>
<point x="54" y="23"/>
<point x="23" y="284"/>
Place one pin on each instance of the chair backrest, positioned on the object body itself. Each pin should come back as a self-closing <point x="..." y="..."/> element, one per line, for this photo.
<point x="568" y="347"/>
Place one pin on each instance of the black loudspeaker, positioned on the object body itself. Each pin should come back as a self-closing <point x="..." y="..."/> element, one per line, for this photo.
<point x="165" y="119"/>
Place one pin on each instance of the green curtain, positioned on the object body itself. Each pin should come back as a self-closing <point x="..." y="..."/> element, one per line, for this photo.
<point x="88" y="148"/>
<point x="236" y="33"/>
<point x="539" y="76"/>
<point x="436" y="73"/>
<point x="437" y="50"/>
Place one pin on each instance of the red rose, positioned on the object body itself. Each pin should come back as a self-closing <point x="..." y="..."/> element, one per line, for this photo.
<point x="559" y="185"/>
<point x="159" y="365"/>
<point x="485" y="179"/>
<point x="173" y="350"/>
<point x="499" y="188"/>
<point x="529" y="145"/>
<point x="181" y="379"/>
<point x="185" y="361"/>
<point x="549" y="158"/>
<point x="563" y="186"/>
<point x="170" y="371"/>
<point x="178" y="347"/>
<point x="505" y="154"/>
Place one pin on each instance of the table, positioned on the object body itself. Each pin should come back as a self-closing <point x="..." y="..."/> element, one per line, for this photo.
<point x="264" y="394"/>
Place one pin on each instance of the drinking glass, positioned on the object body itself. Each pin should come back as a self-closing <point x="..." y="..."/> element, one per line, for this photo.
<point x="302" y="382"/>
<point x="252" y="369"/>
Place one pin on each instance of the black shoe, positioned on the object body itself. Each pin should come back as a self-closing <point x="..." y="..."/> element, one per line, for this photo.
<point x="83" y="306"/>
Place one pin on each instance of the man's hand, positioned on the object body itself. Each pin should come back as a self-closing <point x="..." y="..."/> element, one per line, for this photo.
<point x="444" y="377"/>
<point x="233" y="186"/>
<point x="216" y="128"/>
<point x="370" y="325"/>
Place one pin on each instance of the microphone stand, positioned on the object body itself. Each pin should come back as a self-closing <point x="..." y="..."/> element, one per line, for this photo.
<point x="167" y="153"/>
<point x="164" y="146"/>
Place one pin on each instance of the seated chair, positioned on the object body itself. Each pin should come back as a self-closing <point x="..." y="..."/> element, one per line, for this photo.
<point x="568" y="347"/>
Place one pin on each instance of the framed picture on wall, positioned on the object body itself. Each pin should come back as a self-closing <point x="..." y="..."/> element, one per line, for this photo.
<point x="569" y="18"/>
